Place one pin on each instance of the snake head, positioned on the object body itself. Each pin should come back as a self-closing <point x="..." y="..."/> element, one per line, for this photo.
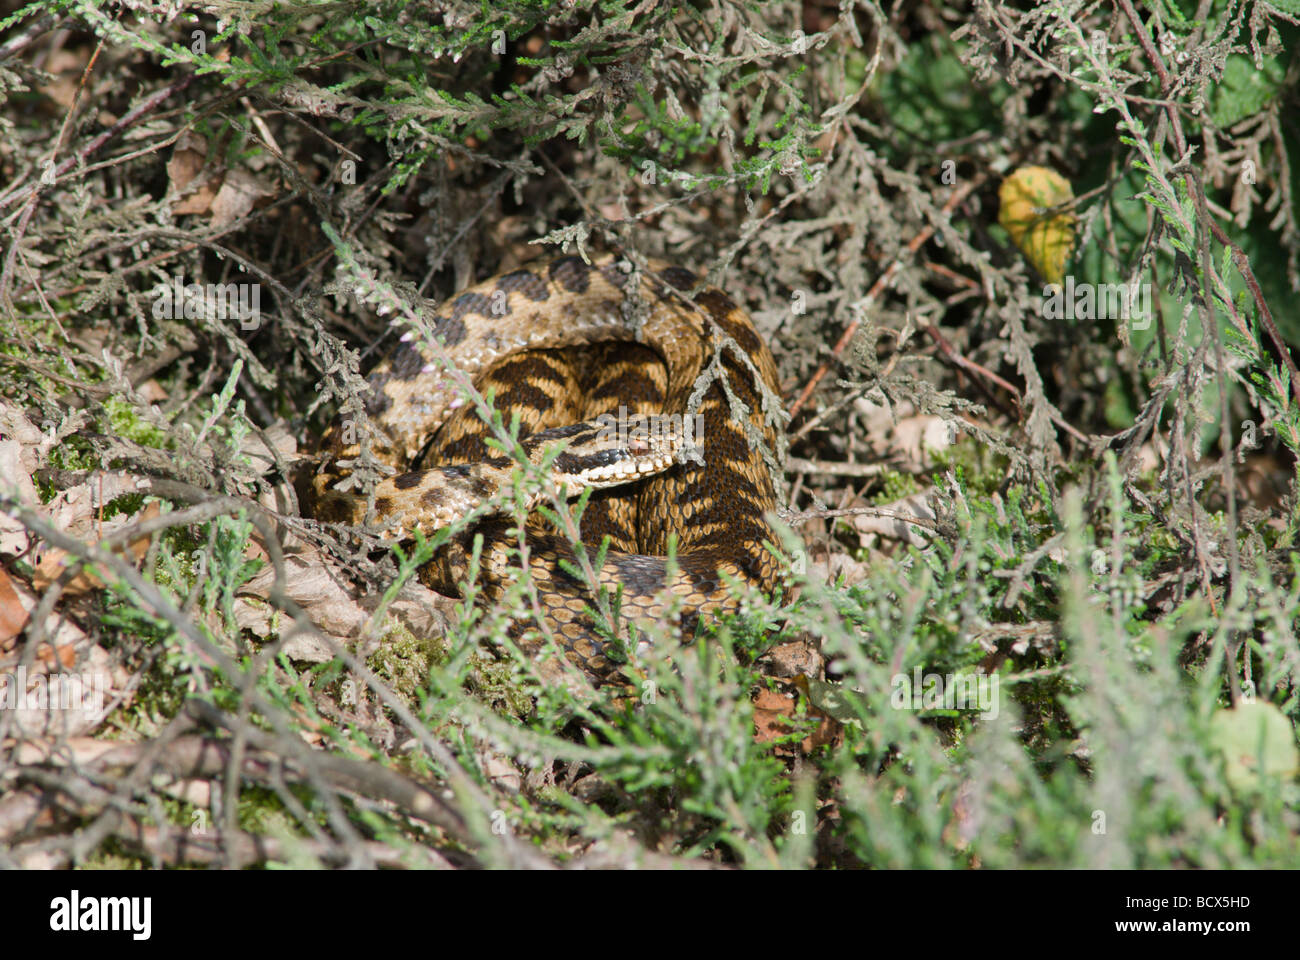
<point x="610" y="452"/>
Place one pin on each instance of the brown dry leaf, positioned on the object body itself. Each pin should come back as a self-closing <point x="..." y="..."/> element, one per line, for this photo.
<point x="77" y="694"/>
<point x="284" y="447"/>
<point x="22" y="450"/>
<point x="64" y="643"/>
<point x="239" y="193"/>
<point x="793" y="658"/>
<point x="188" y="157"/>
<point x="775" y="712"/>
<point x="74" y="751"/>
<point x="153" y="392"/>
<point x="60" y="655"/>
<point x="13" y="617"/>
<point x="67" y="66"/>
<point x="917" y="439"/>
<point x="315" y="583"/>
<point x="892" y="523"/>
<point x="771" y="711"/>
<point x="876" y="423"/>
<point x="829" y="732"/>
<point x="312" y="583"/>
<point x="839" y="565"/>
<point x="900" y="436"/>
<point x="75" y="511"/>
<point x="84" y="582"/>
<point x="200" y="201"/>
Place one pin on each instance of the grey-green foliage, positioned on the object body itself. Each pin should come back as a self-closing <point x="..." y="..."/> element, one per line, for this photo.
<point x="1111" y="617"/>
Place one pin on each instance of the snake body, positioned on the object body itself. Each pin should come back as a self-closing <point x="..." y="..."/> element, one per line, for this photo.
<point x="575" y="348"/>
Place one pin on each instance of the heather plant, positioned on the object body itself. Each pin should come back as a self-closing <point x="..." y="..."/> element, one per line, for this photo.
<point x="1063" y="634"/>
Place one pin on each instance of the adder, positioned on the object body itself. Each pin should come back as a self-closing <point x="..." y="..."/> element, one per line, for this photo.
<point x="603" y="362"/>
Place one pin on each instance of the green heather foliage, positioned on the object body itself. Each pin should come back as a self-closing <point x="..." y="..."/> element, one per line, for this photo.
<point x="1100" y="572"/>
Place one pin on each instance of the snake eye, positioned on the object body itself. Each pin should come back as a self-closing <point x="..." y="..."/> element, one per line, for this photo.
<point x="638" y="446"/>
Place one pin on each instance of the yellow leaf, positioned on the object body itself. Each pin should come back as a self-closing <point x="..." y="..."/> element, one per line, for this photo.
<point x="1026" y="198"/>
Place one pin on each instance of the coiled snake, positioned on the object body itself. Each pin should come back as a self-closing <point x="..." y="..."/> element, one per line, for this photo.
<point x="563" y="344"/>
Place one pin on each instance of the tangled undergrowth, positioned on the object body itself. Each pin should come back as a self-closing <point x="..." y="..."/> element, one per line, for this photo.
<point x="1025" y="271"/>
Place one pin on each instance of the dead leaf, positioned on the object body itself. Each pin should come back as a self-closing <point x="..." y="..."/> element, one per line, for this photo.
<point x="892" y="524"/>
<point x="67" y="66"/>
<point x="239" y="193"/>
<point x="317" y="584"/>
<point x="198" y="202"/>
<point x="76" y="510"/>
<point x="61" y="699"/>
<point x="1026" y="197"/>
<point x="55" y="561"/>
<point x="52" y="656"/>
<point x="876" y="420"/>
<point x="796" y="657"/>
<point x="839" y="566"/>
<point x="22" y="450"/>
<point x="12" y="615"/>
<point x="188" y="157"/>
<point x="775" y="716"/>
<point x="187" y="161"/>
<point x="917" y="439"/>
<point x="64" y="641"/>
<point x="153" y="392"/>
<point x="772" y="713"/>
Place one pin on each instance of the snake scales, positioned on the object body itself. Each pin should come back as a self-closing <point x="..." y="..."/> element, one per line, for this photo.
<point x="562" y="344"/>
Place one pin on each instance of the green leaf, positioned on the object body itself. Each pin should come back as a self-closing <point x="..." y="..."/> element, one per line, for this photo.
<point x="1256" y="740"/>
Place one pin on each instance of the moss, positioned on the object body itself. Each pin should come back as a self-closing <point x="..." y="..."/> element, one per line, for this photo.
<point x="403" y="660"/>
<point x="895" y="486"/>
<point x="498" y="684"/>
<point x="125" y="422"/>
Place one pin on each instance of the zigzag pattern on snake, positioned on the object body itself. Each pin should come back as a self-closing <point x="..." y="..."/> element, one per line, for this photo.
<point x="563" y="343"/>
